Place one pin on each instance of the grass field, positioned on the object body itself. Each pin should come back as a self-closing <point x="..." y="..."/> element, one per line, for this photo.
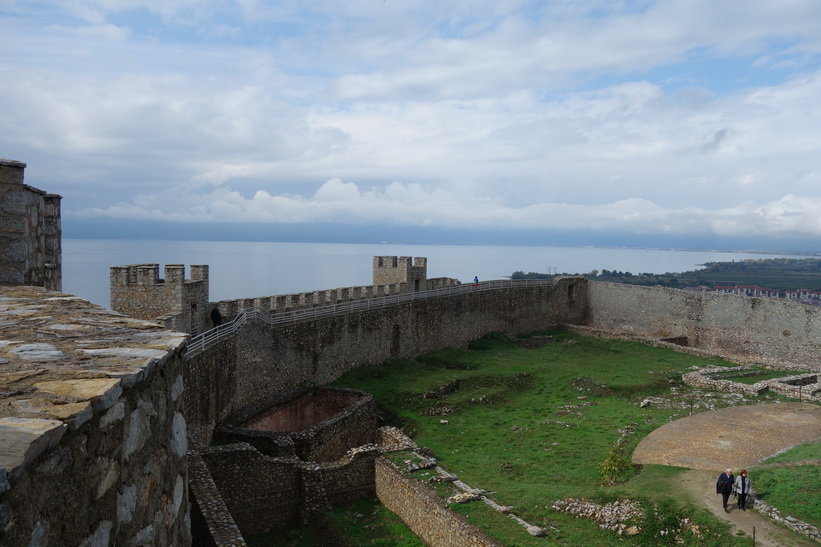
<point x="535" y="426"/>
<point x="795" y="490"/>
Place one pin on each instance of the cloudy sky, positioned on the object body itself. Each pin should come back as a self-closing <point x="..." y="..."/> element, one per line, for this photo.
<point x="679" y="117"/>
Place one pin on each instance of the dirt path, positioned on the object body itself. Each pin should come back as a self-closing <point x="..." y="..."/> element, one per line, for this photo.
<point x="699" y="486"/>
<point x="734" y="437"/>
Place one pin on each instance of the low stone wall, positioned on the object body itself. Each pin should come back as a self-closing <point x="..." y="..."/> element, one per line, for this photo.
<point x="265" y="493"/>
<point x="790" y="522"/>
<point x="324" y="441"/>
<point x="799" y="386"/>
<point x="423" y="511"/>
<point x="211" y="522"/>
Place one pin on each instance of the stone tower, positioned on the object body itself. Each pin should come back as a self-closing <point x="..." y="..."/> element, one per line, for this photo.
<point x="30" y="232"/>
<point x="180" y="304"/>
<point x="400" y="269"/>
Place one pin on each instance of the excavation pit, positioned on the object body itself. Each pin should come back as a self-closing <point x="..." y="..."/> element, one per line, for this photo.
<point x="318" y="424"/>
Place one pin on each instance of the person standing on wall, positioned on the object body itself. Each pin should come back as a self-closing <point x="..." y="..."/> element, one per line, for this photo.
<point x="743" y="487"/>
<point x="475" y="280"/>
<point x="724" y="486"/>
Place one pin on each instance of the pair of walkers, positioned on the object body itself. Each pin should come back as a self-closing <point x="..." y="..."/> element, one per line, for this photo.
<point x="728" y="484"/>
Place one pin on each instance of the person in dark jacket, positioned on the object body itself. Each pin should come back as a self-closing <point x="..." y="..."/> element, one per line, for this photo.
<point x="724" y="486"/>
<point x="216" y="317"/>
<point x="743" y="487"/>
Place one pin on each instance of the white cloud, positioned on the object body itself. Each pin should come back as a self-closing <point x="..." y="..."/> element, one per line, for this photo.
<point x="530" y="114"/>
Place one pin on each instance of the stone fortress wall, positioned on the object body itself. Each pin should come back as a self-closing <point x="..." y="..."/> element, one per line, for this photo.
<point x="742" y="329"/>
<point x="182" y="304"/>
<point x="392" y="275"/>
<point x="261" y="360"/>
<point x="30" y="231"/>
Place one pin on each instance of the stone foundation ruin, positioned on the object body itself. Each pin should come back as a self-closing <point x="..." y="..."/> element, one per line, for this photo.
<point x="318" y="424"/>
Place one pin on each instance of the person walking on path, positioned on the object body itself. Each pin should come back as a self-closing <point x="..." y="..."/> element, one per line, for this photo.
<point x="724" y="486"/>
<point x="475" y="280"/>
<point x="742" y="487"/>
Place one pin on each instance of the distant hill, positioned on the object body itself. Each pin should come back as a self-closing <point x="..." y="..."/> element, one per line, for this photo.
<point x="774" y="273"/>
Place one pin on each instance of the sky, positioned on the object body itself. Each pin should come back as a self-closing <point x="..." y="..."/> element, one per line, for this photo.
<point x="686" y="119"/>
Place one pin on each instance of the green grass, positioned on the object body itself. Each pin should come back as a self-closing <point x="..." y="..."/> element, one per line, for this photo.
<point x="534" y="426"/>
<point x="809" y="451"/>
<point x="795" y="491"/>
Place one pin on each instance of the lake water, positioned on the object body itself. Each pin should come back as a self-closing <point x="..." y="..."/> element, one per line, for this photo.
<point x="250" y="269"/>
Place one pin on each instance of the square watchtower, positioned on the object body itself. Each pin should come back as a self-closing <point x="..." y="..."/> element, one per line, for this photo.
<point x="181" y="304"/>
<point x="30" y="232"/>
<point x="401" y="269"/>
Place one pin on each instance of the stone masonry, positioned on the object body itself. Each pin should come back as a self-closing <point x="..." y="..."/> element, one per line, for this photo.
<point x="30" y="231"/>
<point x="179" y="304"/>
<point x="400" y="269"/>
<point x="93" y="440"/>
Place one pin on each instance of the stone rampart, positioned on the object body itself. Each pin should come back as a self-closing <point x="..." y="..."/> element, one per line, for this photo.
<point x="262" y="360"/>
<point x="278" y="303"/>
<point x="423" y="511"/>
<point x="742" y="329"/>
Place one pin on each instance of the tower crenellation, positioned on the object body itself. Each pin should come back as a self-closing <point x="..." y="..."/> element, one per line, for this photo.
<point x="181" y="304"/>
<point x="388" y="270"/>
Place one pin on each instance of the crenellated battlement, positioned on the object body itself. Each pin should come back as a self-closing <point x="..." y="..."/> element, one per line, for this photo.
<point x="400" y="275"/>
<point x="180" y="304"/>
<point x="400" y="269"/>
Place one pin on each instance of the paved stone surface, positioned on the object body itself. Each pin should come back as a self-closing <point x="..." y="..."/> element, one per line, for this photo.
<point x="739" y="436"/>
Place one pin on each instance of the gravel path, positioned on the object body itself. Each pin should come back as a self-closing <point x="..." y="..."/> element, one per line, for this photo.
<point x="737" y="436"/>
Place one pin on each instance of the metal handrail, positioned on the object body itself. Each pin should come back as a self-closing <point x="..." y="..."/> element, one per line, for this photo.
<point x="200" y="342"/>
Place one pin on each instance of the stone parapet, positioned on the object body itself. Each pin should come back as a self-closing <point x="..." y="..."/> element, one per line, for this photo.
<point x="92" y="437"/>
<point x="278" y="303"/>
